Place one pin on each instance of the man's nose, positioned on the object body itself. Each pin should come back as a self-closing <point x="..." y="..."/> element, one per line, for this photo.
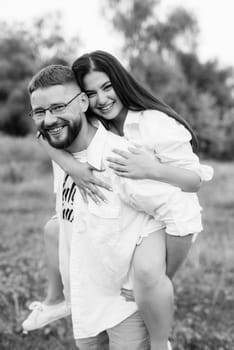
<point x="49" y="118"/>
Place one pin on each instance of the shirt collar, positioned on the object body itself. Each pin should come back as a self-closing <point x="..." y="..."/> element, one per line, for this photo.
<point x="133" y="117"/>
<point x="94" y="153"/>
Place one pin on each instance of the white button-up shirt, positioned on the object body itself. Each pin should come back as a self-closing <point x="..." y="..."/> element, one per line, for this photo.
<point x="167" y="138"/>
<point x="100" y="240"/>
<point x="105" y="236"/>
<point x="169" y="141"/>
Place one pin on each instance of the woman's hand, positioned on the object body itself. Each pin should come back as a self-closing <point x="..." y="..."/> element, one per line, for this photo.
<point x="135" y="164"/>
<point x="81" y="173"/>
<point x="89" y="184"/>
<point x="139" y="164"/>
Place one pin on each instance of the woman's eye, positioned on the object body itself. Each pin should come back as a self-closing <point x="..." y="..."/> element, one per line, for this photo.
<point x="108" y="87"/>
<point x="90" y="94"/>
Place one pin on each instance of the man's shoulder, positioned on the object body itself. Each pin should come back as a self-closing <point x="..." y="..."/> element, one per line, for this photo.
<point x="117" y="140"/>
<point x="58" y="173"/>
<point x="57" y="170"/>
<point x="114" y="141"/>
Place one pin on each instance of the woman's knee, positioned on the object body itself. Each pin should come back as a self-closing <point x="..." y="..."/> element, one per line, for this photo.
<point x="149" y="261"/>
<point x="51" y="230"/>
<point x="148" y="273"/>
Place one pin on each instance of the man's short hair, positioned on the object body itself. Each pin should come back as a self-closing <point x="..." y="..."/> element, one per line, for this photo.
<point x="55" y="74"/>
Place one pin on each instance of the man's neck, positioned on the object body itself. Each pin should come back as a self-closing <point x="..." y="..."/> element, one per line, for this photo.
<point x="84" y="138"/>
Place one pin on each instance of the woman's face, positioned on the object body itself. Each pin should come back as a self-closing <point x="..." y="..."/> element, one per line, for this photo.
<point x="103" y="100"/>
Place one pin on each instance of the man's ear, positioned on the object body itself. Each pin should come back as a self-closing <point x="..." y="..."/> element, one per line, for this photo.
<point x="84" y="102"/>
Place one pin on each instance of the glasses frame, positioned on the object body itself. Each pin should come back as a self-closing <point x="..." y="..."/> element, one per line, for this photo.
<point x="51" y="108"/>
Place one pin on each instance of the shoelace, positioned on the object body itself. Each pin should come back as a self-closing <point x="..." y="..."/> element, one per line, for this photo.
<point x="36" y="305"/>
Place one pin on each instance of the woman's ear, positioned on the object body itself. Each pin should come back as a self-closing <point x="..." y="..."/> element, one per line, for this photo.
<point x="84" y="102"/>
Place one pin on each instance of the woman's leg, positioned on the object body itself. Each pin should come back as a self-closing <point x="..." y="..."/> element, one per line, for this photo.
<point x="153" y="289"/>
<point x="55" y="286"/>
<point x="177" y="248"/>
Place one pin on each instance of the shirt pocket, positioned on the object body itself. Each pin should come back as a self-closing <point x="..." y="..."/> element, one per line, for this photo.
<point x="110" y="210"/>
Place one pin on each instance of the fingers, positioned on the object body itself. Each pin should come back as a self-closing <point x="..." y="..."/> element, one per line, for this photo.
<point x="121" y="153"/>
<point x="99" y="195"/>
<point x="122" y="174"/>
<point x="93" y="196"/>
<point x="116" y="160"/>
<point x="95" y="181"/>
<point x="84" y="196"/>
<point x="134" y="150"/>
<point x="119" y="168"/>
<point x="94" y="193"/>
<point x="100" y="183"/>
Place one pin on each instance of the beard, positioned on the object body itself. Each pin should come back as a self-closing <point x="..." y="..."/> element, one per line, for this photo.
<point x="65" y="137"/>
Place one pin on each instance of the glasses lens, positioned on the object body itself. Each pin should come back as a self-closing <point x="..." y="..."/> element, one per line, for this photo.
<point x="56" y="109"/>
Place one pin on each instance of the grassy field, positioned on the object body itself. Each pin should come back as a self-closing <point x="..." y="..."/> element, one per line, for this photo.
<point x="204" y="286"/>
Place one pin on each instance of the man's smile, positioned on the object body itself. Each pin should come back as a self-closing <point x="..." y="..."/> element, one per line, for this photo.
<point x="55" y="130"/>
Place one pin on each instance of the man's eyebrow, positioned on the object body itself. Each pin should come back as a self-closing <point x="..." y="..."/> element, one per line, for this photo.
<point x="56" y="103"/>
<point x="51" y="105"/>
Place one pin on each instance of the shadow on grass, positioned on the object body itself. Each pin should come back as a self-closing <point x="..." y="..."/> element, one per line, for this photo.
<point x="38" y="340"/>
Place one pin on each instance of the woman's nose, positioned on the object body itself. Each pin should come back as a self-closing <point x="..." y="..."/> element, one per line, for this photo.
<point x="101" y="97"/>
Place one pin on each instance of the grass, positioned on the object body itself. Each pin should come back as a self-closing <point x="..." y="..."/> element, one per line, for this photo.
<point x="204" y="286"/>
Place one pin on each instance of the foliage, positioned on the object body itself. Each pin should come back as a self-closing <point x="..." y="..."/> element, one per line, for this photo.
<point x="23" y="52"/>
<point x="144" y="30"/>
<point x="161" y="54"/>
<point x="203" y="287"/>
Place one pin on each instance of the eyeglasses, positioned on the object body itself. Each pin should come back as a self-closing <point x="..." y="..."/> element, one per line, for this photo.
<point x="55" y="109"/>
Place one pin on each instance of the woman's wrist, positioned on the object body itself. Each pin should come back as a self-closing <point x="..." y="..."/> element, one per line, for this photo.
<point x="155" y="172"/>
<point x="185" y="179"/>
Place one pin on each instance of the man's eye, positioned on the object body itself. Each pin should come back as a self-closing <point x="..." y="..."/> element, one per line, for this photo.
<point x="39" y="112"/>
<point x="58" y="108"/>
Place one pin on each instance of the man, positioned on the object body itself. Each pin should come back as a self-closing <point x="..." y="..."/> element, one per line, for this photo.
<point x="96" y="243"/>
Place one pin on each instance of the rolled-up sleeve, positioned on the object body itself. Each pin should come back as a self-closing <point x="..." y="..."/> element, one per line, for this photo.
<point x="170" y="141"/>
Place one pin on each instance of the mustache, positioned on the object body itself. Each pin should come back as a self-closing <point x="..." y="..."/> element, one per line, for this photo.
<point x="43" y="129"/>
<point x="54" y="125"/>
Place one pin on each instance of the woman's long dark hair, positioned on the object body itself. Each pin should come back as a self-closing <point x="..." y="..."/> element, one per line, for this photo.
<point x="132" y="95"/>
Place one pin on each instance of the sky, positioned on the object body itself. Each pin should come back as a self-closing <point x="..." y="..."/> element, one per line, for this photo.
<point x="83" y="17"/>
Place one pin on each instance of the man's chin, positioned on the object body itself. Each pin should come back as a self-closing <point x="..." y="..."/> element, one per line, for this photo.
<point x="62" y="141"/>
<point x="56" y="143"/>
<point x="60" y="144"/>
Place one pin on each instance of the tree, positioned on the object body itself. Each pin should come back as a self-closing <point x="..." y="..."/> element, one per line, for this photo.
<point x="209" y="77"/>
<point x="144" y="30"/>
<point x="161" y="54"/>
<point x="23" y="52"/>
